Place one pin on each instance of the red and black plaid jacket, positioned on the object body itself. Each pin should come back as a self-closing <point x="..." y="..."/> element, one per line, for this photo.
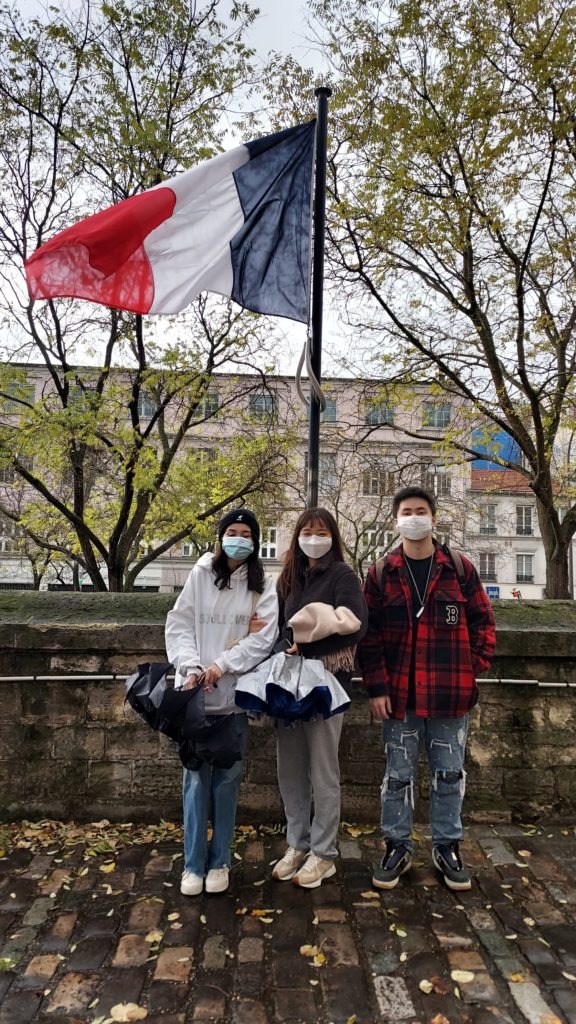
<point x="455" y="641"/>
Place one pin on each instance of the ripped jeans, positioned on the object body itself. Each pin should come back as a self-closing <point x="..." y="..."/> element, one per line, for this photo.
<point x="445" y="741"/>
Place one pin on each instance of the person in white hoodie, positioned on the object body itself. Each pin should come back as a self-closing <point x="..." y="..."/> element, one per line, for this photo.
<point x="224" y="622"/>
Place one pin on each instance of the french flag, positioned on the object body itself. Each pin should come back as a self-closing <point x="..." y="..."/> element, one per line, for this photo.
<point x="238" y="225"/>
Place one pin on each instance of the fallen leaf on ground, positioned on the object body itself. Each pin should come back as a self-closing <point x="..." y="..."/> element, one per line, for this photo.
<point x="441" y="985"/>
<point x="462" y="977"/>
<point x="154" y="936"/>
<point x="517" y="977"/>
<point x="426" y="986"/>
<point x="107" y="868"/>
<point x="570" y="977"/>
<point x="127" y="1012"/>
<point x="371" y="895"/>
<point x="439" y="1018"/>
<point x="529" y="921"/>
<point x="308" y="950"/>
<point x="524" y="853"/>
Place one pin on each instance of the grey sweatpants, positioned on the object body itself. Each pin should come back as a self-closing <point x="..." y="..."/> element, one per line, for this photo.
<point x="309" y="780"/>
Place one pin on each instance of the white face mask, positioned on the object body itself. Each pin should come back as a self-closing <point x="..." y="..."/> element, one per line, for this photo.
<point x="314" y="547"/>
<point x="414" y="527"/>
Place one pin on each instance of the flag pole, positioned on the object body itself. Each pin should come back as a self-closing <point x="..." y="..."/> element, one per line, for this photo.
<point x="318" y="223"/>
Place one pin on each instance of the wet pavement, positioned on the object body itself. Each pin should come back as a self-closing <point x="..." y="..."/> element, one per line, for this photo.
<point x="93" y="929"/>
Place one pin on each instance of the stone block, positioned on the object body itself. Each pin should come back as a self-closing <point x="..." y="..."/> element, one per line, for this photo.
<point x="174" y="964"/>
<point x="77" y="743"/>
<point x="338" y="945"/>
<point x="74" y="992"/>
<point x="394" y="1002"/>
<point x="132" y="951"/>
<point x="55" y="702"/>
<point x="131" y="740"/>
<point x="109" y="779"/>
<point x="76" y="664"/>
<point x="106" y="703"/>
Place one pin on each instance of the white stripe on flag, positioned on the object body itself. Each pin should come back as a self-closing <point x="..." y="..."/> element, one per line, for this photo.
<point x="190" y="252"/>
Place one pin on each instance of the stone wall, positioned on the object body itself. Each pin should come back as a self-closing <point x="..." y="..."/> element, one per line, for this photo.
<point x="73" y="749"/>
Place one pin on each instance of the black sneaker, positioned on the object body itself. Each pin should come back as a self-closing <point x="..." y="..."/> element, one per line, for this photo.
<point x="447" y="859"/>
<point x="395" y="862"/>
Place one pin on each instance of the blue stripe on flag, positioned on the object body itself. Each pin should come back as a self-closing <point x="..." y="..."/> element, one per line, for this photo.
<point x="270" y="253"/>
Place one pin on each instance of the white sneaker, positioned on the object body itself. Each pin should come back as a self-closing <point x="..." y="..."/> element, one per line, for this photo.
<point x="191" y="884"/>
<point x="286" y="868"/>
<point x="314" y="871"/>
<point x="217" y="879"/>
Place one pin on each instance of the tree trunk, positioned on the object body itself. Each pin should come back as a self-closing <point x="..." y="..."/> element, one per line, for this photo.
<point x="557" y="551"/>
<point x="115" y="578"/>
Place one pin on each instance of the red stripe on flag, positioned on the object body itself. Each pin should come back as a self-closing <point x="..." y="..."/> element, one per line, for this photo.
<point x="103" y="257"/>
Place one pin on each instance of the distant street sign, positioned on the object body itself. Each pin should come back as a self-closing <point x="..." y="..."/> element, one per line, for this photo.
<point x="493" y="592"/>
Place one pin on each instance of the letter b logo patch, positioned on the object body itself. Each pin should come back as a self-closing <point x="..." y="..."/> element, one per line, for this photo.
<point x="452" y="614"/>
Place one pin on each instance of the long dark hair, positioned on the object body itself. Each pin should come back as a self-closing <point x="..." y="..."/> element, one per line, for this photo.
<point x="222" y="571"/>
<point x="295" y="561"/>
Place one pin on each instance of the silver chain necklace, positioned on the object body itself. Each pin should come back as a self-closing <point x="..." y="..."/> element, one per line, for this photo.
<point x="421" y="597"/>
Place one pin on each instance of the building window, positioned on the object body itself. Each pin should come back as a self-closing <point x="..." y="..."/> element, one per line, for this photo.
<point x="269" y="546"/>
<point x="488" y="520"/>
<point x="204" y="456"/>
<point x="329" y="414"/>
<point x="378" y="482"/>
<point x="436" y="415"/>
<point x="147" y="406"/>
<point x="524" y="527"/>
<point x="9" y="534"/>
<point x="379" y="414"/>
<point x="439" y="482"/>
<point x="210" y="404"/>
<point x="487" y="567"/>
<point x="524" y="568"/>
<point x="377" y="540"/>
<point x="262" y="407"/>
<point x="327" y="472"/>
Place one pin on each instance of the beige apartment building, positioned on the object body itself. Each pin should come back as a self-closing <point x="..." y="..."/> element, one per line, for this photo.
<point x="374" y="439"/>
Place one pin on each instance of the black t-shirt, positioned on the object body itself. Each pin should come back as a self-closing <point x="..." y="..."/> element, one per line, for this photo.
<point x="420" y="568"/>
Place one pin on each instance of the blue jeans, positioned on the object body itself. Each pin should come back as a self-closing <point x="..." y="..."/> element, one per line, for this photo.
<point x="212" y="793"/>
<point x="445" y="742"/>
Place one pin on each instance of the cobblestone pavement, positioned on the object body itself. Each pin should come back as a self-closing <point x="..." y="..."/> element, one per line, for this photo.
<point x="92" y="920"/>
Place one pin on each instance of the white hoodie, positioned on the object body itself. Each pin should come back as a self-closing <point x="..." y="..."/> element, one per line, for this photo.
<point x="205" y="619"/>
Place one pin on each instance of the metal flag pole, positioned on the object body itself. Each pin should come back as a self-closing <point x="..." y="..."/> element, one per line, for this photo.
<point x="315" y="339"/>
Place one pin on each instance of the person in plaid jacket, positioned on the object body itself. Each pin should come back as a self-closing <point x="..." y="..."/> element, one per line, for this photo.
<point x="430" y="633"/>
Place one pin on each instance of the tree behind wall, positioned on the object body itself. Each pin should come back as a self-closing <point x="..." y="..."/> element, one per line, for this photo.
<point x="99" y="104"/>
<point x="452" y="186"/>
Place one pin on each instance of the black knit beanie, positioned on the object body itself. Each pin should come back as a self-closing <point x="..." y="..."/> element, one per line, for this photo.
<point x="240" y="515"/>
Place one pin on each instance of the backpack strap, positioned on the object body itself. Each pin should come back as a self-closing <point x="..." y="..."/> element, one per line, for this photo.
<point x="454" y="556"/>
<point x="458" y="563"/>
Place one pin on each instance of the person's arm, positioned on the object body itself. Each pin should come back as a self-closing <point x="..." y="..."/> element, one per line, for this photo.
<point x="371" y="650"/>
<point x="480" y="619"/>
<point x="253" y="648"/>
<point x="180" y="633"/>
<point x="347" y="594"/>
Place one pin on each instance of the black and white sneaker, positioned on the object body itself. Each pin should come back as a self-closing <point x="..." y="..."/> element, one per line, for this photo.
<point x="395" y="862"/>
<point x="447" y="859"/>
